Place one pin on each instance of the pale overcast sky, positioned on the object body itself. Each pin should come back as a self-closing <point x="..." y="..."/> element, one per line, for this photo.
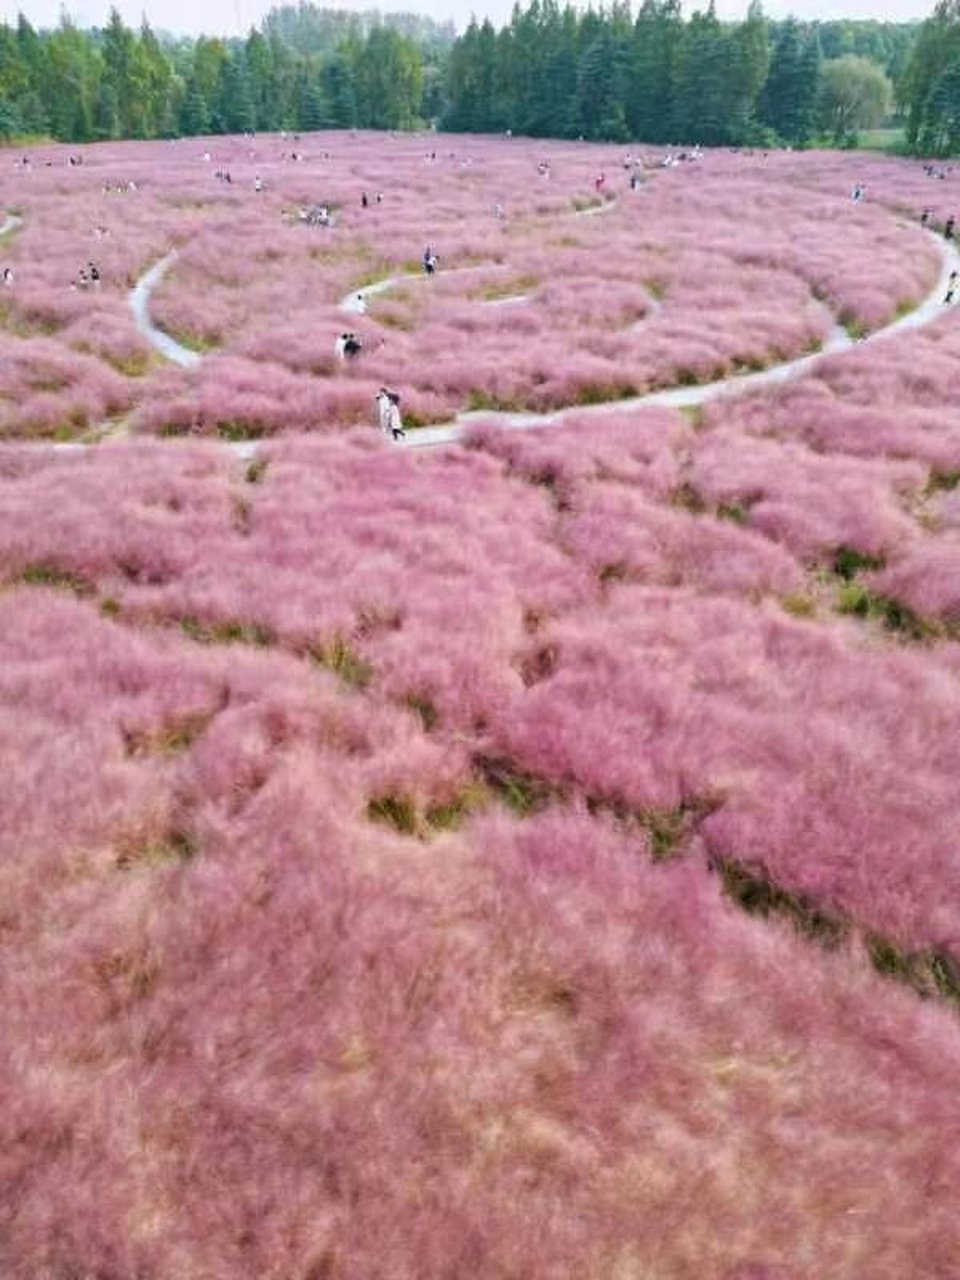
<point x="232" y="17"/>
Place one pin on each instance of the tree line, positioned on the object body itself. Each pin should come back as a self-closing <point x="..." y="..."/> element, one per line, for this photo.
<point x="931" y="84"/>
<point x="550" y="71"/>
<point x="660" y="78"/>
<point x="115" y="82"/>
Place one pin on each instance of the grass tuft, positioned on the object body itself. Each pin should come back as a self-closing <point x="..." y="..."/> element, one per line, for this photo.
<point x="338" y="656"/>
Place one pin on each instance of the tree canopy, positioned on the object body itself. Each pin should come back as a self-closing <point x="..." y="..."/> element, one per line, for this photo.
<point x="551" y="71"/>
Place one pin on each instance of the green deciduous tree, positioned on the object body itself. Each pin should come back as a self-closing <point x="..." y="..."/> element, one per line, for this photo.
<point x="854" y="94"/>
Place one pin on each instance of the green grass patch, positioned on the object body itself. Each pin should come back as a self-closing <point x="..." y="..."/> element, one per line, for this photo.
<point x="616" y="571"/>
<point x="400" y="812"/>
<point x="397" y="811"/>
<point x="171" y="739"/>
<point x="509" y="289"/>
<point x="177" y="847"/>
<point x="752" y="889"/>
<point x="858" y="601"/>
<point x="943" y="480"/>
<point x="848" y="562"/>
<point x="483" y="402"/>
<point x="668" y="830"/>
<point x="892" y="141"/>
<point x="931" y="973"/>
<point x="229" y="632"/>
<point x="732" y="511"/>
<point x="50" y="575"/>
<point x="799" y="606"/>
<point x="237" y="430"/>
<point x="523" y="792"/>
<point x="855" y="327"/>
<point x="604" y="392"/>
<point x="451" y="814"/>
<point x="199" y="342"/>
<point x="687" y="498"/>
<point x="338" y="656"/>
<point x="425" y="708"/>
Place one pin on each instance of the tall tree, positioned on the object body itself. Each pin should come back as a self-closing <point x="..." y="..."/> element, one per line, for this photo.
<point x="655" y="70"/>
<point x="854" y="94"/>
<point x="937" y="49"/>
<point x="789" y="98"/>
<point x="119" y="53"/>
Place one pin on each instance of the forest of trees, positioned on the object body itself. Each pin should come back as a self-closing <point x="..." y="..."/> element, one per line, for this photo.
<point x="602" y="73"/>
<point x="79" y="86"/>
<point x="661" y="78"/>
<point x="931" y="84"/>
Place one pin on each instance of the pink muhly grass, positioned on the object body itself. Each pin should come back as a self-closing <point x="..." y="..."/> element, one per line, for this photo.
<point x="809" y="502"/>
<point x="50" y="390"/>
<point x="926" y="578"/>
<point x="760" y="721"/>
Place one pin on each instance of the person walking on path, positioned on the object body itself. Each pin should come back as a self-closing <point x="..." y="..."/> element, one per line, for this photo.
<point x="388" y="411"/>
<point x="383" y="410"/>
<point x="948" y="226"/>
<point x="393" y="417"/>
<point x="430" y="261"/>
<point x="952" y="284"/>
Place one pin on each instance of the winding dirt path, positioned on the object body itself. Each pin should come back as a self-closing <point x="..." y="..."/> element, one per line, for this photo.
<point x="354" y="303"/>
<point x="139" y="298"/>
<point x="929" y="310"/>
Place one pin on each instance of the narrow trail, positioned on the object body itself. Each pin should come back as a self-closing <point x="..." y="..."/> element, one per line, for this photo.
<point x="139" y="298"/>
<point x="10" y="223"/>
<point x="930" y="309"/>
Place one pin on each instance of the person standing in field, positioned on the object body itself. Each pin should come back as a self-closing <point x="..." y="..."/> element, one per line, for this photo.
<point x="430" y="261"/>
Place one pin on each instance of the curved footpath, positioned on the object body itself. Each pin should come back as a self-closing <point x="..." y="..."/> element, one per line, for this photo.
<point x="686" y="397"/>
<point x="139" y="298"/>
<point x="674" y="397"/>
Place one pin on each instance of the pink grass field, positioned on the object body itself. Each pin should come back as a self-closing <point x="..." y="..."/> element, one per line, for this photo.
<point x="525" y="859"/>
